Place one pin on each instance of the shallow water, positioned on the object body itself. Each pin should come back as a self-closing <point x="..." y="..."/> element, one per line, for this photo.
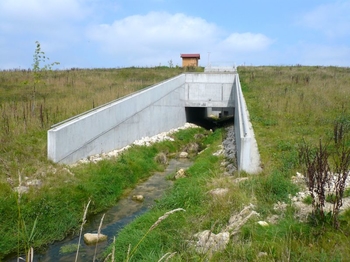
<point x="116" y="217"/>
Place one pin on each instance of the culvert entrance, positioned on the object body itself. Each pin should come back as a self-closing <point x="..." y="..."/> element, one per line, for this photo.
<point x="210" y="118"/>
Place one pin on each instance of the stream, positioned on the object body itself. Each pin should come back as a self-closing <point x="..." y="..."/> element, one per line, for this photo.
<point x="117" y="217"/>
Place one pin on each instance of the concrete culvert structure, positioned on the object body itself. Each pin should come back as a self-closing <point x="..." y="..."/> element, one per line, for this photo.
<point x="210" y="98"/>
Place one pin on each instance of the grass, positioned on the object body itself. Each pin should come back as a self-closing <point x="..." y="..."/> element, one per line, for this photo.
<point x="284" y="111"/>
<point x="287" y="105"/>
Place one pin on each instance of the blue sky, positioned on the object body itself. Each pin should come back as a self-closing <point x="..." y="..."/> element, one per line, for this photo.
<point x="123" y="33"/>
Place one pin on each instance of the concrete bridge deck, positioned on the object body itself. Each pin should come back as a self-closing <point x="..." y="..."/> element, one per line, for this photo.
<point x="151" y="111"/>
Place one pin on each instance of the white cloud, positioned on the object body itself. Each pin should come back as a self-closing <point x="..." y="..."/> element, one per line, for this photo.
<point x="56" y="24"/>
<point x="246" y="42"/>
<point x="41" y="17"/>
<point x="153" y="32"/>
<point x="140" y="38"/>
<point x="331" y="19"/>
<point x="41" y="10"/>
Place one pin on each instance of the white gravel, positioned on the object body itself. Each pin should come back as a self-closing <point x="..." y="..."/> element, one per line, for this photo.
<point x="144" y="141"/>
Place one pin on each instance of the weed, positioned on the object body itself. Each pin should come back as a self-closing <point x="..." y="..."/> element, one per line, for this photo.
<point x="308" y="200"/>
<point x="160" y="219"/>
<point x="317" y="173"/>
<point x="342" y="165"/>
<point x="274" y="187"/>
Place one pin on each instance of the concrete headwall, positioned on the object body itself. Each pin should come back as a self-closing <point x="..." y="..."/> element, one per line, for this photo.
<point x="209" y="90"/>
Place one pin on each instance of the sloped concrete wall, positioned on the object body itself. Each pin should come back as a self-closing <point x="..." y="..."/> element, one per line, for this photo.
<point x="118" y="124"/>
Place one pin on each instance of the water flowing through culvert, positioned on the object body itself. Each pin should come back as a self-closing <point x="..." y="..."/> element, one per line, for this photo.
<point x="117" y="217"/>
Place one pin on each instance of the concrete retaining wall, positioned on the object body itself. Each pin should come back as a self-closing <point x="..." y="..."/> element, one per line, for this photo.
<point x="118" y="124"/>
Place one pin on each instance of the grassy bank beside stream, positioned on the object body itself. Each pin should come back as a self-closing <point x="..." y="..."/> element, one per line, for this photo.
<point x="56" y="194"/>
<point x="287" y="105"/>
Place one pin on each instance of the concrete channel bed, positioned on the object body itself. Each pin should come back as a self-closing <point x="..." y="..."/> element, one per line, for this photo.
<point x="151" y="111"/>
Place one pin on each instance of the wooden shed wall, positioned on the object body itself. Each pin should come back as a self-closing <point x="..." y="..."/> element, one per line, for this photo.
<point x="190" y="61"/>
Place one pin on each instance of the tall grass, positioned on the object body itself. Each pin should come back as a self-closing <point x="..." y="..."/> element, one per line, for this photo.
<point x="287" y="104"/>
<point x="60" y="95"/>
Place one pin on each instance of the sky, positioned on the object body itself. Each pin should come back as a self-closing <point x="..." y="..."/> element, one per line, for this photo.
<point x="147" y="33"/>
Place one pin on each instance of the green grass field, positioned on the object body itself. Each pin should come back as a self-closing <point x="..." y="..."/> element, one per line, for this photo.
<point x="287" y="105"/>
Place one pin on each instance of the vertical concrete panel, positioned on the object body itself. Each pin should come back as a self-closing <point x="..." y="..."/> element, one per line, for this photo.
<point x="209" y="90"/>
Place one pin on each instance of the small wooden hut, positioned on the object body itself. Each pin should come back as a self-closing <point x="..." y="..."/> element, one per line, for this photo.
<point x="190" y="60"/>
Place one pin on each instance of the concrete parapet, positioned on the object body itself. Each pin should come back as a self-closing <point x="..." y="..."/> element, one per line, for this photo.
<point x="248" y="158"/>
<point x="220" y="69"/>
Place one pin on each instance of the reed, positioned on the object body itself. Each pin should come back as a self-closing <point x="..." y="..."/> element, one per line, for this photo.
<point x="98" y="236"/>
<point x="81" y="229"/>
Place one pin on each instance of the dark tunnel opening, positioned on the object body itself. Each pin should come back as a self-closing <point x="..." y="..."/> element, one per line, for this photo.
<point x="201" y="117"/>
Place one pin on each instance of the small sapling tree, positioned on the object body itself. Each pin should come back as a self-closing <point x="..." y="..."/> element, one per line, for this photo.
<point x="39" y="69"/>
